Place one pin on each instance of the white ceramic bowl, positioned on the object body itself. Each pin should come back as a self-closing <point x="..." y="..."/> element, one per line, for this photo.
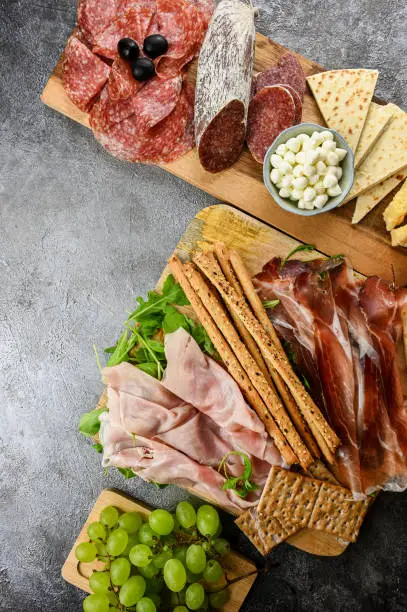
<point x="345" y="182"/>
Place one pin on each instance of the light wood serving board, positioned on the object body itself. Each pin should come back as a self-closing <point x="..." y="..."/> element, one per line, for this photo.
<point x="368" y="243"/>
<point x="240" y="572"/>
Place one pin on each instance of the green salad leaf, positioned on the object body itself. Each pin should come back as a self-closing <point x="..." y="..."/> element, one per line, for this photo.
<point x="89" y="424"/>
<point x="241" y="485"/>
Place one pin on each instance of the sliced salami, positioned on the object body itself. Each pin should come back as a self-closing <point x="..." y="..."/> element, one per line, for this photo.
<point x="133" y="24"/>
<point x="84" y="74"/>
<point x="223" y="85"/>
<point x="287" y="72"/>
<point x="107" y="112"/>
<point x="297" y="102"/>
<point x="271" y="111"/>
<point x="205" y="9"/>
<point x="156" y="101"/>
<point x="180" y="23"/>
<point x="94" y="16"/>
<point x="121" y="83"/>
<point x="124" y="5"/>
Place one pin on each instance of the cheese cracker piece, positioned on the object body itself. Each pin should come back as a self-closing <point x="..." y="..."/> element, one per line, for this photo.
<point x="397" y="209"/>
<point x="344" y="97"/>
<point x="378" y="118"/>
<point x="399" y="236"/>
<point x="336" y="512"/>
<point x="371" y="198"/>
<point x="387" y="159"/>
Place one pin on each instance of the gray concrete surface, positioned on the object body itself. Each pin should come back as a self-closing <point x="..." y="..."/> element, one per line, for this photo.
<point x="81" y="235"/>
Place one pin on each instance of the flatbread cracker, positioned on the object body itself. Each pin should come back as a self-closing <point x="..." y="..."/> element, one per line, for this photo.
<point x="264" y="531"/>
<point x="246" y="523"/>
<point x="397" y="209"/>
<point x="373" y="196"/>
<point x="399" y="236"/>
<point x="377" y="120"/>
<point x="344" y="97"/>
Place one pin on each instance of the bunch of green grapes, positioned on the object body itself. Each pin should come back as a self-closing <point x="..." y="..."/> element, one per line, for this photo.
<point x="169" y="562"/>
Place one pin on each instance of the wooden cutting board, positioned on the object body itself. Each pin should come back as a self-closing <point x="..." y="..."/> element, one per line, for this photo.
<point x="367" y="243"/>
<point x="240" y="572"/>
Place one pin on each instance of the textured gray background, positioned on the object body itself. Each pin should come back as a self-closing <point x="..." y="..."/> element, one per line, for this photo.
<point x="81" y="235"/>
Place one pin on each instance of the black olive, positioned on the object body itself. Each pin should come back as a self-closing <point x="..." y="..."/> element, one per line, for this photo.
<point x="128" y="49"/>
<point x="155" y="45"/>
<point x="142" y="69"/>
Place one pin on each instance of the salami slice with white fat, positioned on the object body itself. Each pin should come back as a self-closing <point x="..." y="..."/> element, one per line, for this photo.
<point x="83" y="73"/>
<point x="94" y="16"/>
<point x="287" y="72"/>
<point x="297" y="103"/>
<point x="223" y="84"/>
<point x="271" y="111"/>
<point x="122" y="84"/>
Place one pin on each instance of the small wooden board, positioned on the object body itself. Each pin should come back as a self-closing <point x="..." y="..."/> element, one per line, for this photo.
<point x="239" y="571"/>
<point x="367" y="244"/>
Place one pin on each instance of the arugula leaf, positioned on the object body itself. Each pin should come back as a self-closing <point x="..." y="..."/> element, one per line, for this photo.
<point x="173" y="320"/>
<point x="110" y="349"/>
<point x="158" y="484"/>
<point x="98" y="447"/>
<point x="298" y="249"/>
<point x="200" y="335"/>
<point x="89" y="424"/>
<point x="150" y="367"/>
<point x="127" y="473"/>
<point x="271" y="303"/>
<point x="121" y="352"/>
<point x="241" y="485"/>
<point x="172" y="293"/>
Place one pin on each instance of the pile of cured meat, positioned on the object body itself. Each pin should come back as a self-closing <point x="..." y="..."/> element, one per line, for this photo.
<point x="176" y="431"/>
<point x="346" y="337"/>
<point x="150" y="121"/>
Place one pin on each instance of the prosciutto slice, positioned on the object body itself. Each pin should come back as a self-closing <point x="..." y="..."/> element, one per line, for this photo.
<point x="344" y="337"/>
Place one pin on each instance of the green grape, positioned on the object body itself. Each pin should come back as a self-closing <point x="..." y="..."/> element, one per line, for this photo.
<point x="149" y="571"/>
<point x="186" y="514"/>
<point x="109" y="516"/>
<point x="96" y="603"/>
<point x="196" y="559"/>
<point x="96" y="531"/>
<point x="207" y="520"/>
<point x="177" y="526"/>
<point x="180" y="553"/>
<point x="120" y="571"/>
<point x="221" y="546"/>
<point x="99" y="582"/>
<point x="161" y="559"/>
<point x="155" y="598"/>
<point x="146" y="605"/>
<point x="194" y="596"/>
<point x="146" y="535"/>
<point x="101" y="549"/>
<point x="193" y="577"/>
<point x="117" y="542"/>
<point x="205" y="604"/>
<point x="132" y="541"/>
<point x="86" y="552"/>
<point x="213" y="571"/>
<point x="180" y="609"/>
<point x="218" y="531"/>
<point x="141" y="555"/>
<point x="174" y="575"/>
<point x="161" y="521"/>
<point x="206" y="546"/>
<point x="218" y="599"/>
<point x="130" y="521"/>
<point x="155" y="585"/>
<point x="177" y="598"/>
<point x="114" y="609"/>
<point x="132" y="591"/>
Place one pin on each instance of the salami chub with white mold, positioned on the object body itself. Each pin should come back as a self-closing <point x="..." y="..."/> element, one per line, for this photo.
<point x="223" y="85"/>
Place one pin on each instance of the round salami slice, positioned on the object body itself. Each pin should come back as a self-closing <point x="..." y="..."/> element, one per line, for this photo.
<point x="179" y="22"/>
<point x="287" y="72"/>
<point x="94" y="16"/>
<point x="271" y="111"/>
<point x="84" y="74"/>
<point x="297" y="102"/>
<point x="107" y="112"/>
<point x="205" y="9"/>
<point x="156" y="101"/>
<point x="124" y="5"/>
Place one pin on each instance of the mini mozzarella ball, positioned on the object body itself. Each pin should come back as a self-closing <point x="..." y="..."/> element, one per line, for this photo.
<point x="281" y="149"/>
<point x="322" y="154"/>
<point x="320" y="200"/>
<point x="334" y="191"/>
<point x="341" y="153"/>
<point x="289" y="157"/>
<point x="301" y="203"/>
<point x="287" y="180"/>
<point x="285" y="167"/>
<point x="300" y="158"/>
<point x="330" y="180"/>
<point x="321" y="167"/>
<point x="297" y="194"/>
<point x="326" y="135"/>
<point x="339" y="172"/>
<point x="279" y="185"/>
<point x="313" y="180"/>
<point x="284" y="192"/>
<point x="309" y="205"/>
<point x="309" y="170"/>
<point x="275" y="176"/>
<point x="328" y="145"/>
<point x="303" y="137"/>
<point x="317" y="137"/>
<point x="308" y="145"/>
<point x="309" y="194"/>
<point x="335" y="170"/>
<point x="294" y="145"/>
<point x="275" y="160"/>
<point x="312" y="156"/>
<point x="300" y="183"/>
<point x="332" y="159"/>
<point x="298" y="170"/>
<point x="319" y="187"/>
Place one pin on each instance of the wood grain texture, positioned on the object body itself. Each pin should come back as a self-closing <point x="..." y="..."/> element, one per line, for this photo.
<point x="238" y="570"/>
<point x="367" y="244"/>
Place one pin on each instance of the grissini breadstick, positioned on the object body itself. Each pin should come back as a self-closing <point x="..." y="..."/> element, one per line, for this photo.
<point x="233" y="366"/>
<point x="267" y="393"/>
<point x="243" y="277"/>
<point x="326" y="438"/>
<point x="222" y="256"/>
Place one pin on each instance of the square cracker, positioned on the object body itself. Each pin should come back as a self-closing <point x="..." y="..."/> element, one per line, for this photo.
<point x="336" y="512"/>
<point x="264" y="531"/>
<point x="246" y="523"/>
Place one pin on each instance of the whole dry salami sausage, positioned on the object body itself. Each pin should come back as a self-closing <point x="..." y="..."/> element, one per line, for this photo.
<point x="94" y="16"/>
<point x="83" y="73"/>
<point x="271" y="111"/>
<point x="133" y="24"/>
<point x="287" y="72"/>
<point x="223" y="85"/>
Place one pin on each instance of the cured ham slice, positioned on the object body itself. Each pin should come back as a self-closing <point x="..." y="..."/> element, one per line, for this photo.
<point x="343" y="335"/>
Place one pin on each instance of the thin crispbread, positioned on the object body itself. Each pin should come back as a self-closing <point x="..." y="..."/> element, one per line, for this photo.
<point x="336" y="512"/>
<point x="399" y="236"/>
<point x="377" y="120"/>
<point x="344" y="97"/>
<point x="368" y="200"/>
<point x="246" y="523"/>
<point x="397" y="209"/>
<point x="264" y="531"/>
